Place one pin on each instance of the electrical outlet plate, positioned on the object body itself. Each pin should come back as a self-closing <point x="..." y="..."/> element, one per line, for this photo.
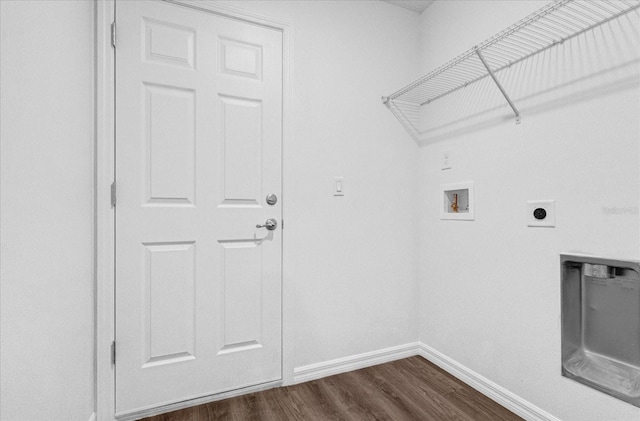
<point x="549" y="207"/>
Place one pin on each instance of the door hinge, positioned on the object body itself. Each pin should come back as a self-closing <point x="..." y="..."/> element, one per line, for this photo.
<point x="113" y="34"/>
<point x="113" y="194"/>
<point x="113" y="352"/>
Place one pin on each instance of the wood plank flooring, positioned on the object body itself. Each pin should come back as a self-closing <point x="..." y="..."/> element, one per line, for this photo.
<point x="408" y="389"/>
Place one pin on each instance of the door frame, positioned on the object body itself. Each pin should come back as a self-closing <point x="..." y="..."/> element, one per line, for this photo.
<point x="104" y="161"/>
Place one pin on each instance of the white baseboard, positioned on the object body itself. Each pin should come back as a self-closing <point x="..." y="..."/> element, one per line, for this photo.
<point x="354" y="362"/>
<point x="509" y="400"/>
<point x="92" y="417"/>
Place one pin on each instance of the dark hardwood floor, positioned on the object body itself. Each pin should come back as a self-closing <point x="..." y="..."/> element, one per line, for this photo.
<point x="408" y="389"/>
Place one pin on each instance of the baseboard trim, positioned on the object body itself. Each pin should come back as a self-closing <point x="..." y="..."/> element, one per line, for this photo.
<point x="509" y="400"/>
<point x="499" y="394"/>
<point x="354" y="362"/>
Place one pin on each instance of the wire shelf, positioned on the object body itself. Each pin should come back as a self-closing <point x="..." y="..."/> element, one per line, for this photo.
<point x="549" y="26"/>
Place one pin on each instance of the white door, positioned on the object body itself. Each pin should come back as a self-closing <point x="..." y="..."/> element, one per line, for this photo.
<point x="198" y="149"/>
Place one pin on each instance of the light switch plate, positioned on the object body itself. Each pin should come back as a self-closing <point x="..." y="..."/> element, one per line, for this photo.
<point x="338" y="186"/>
<point x="445" y="163"/>
<point x="546" y="208"/>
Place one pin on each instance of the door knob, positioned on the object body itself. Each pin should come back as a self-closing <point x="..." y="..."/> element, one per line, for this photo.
<point x="271" y="224"/>
<point x="272" y="199"/>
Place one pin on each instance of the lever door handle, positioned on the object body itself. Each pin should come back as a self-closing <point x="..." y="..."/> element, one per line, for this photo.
<point x="270" y="224"/>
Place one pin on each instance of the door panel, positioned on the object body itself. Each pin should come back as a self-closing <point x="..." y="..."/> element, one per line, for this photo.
<point x="170" y="144"/>
<point x="198" y="148"/>
<point x="169" y="308"/>
<point x="242" y="140"/>
<point x="167" y="43"/>
<point x="242" y="296"/>
<point x="241" y="59"/>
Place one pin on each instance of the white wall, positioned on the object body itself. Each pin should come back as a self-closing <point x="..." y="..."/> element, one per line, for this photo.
<point x="490" y="289"/>
<point x="352" y="259"/>
<point x="46" y="220"/>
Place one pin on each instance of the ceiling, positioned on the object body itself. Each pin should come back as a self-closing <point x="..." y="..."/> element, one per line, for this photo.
<point x="417" y="6"/>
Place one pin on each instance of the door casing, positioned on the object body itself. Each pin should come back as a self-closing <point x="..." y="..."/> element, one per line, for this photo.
<point x="104" y="161"/>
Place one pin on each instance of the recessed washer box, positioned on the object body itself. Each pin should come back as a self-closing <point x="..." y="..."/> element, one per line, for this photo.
<point x="601" y="324"/>
<point x="457" y="201"/>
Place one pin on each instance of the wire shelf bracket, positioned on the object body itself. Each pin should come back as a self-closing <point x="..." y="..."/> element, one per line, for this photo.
<point x="499" y="85"/>
<point x="545" y="28"/>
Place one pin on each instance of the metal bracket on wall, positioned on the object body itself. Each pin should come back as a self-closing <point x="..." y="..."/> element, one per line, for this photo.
<point x="113" y="194"/>
<point x="495" y="79"/>
<point x="113" y="34"/>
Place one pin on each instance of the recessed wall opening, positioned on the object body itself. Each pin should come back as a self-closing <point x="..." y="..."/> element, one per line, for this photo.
<point x="601" y="325"/>
<point x="457" y="201"/>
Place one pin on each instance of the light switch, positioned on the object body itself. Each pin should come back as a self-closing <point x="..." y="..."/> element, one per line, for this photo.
<point x="338" y="186"/>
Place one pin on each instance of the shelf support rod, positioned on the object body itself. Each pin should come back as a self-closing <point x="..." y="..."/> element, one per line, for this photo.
<point x="495" y="79"/>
